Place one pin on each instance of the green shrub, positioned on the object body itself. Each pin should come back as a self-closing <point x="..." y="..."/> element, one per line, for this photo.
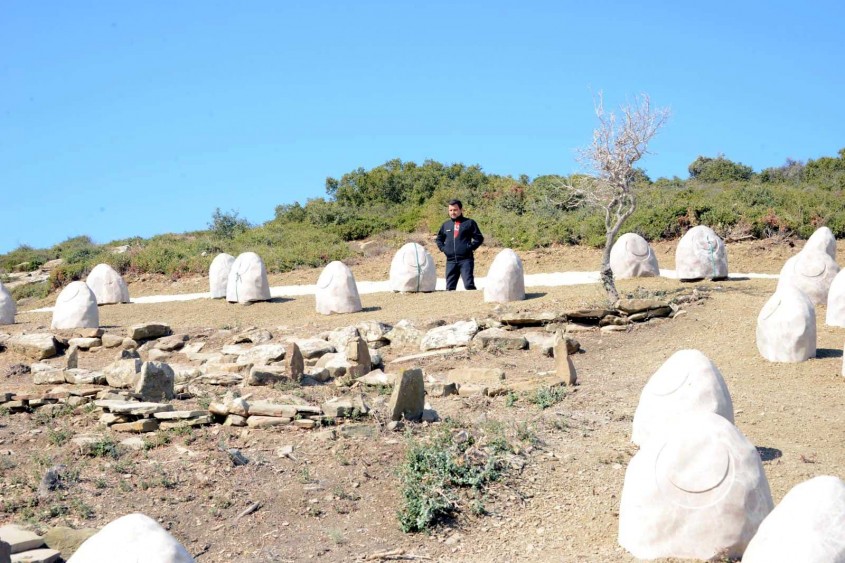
<point x="38" y="290"/>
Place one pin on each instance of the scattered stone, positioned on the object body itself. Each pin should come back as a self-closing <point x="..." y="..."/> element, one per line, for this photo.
<point x="132" y="407"/>
<point x="565" y="368"/>
<point x="440" y="389"/>
<point x="542" y="341"/>
<point x="111" y="340"/>
<point x="109" y="418"/>
<point x="48" y="377"/>
<point x="128" y="344"/>
<point x="20" y="539"/>
<point x="172" y="343"/>
<point x="336" y="364"/>
<point x="259" y="421"/>
<point x="268" y="375"/>
<point x="264" y="408"/>
<point x="139" y="426"/>
<point x="156" y="355"/>
<point x="358" y="430"/>
<point x="234" y="420"/>
<point x="314" y="347"/>
<point x="449" y="336"/>
<point x="404" y="333"/>
<point x="592" y="316"/>
<point x="42" y="555"/>
<point x="84" y="377"/>
<point x="304" y="423"/>
<point x="18" y="369"/>
<point x="253" y="336"/>
<point x="38" y="346"/>
<point x="408" y="398"/>
<point x="67" y="540"/>
<point x="358" y="356"/>
<point x="531" y="318"/>
<point x="198" y="421"/>
<point x="179" y="415"/>
<point x="147" y="331"/>
<point x="295" y="361"/>
<point x="377" y="377"/>
<point x="155" y="382"/>
<point x="396" y="425"/>
<point x="498" y="339"/>
<point x="614" y="328"/>
<point x="472" y="390"/>
<point x="72" y="358"/>
<point x="84" y="343"/>
<point x="414" y="357"/>
<point x="51" y="480"/>
<point x="262" y="354"/>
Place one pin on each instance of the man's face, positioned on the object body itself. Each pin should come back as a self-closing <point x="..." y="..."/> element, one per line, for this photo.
<point x="454" y="212"/>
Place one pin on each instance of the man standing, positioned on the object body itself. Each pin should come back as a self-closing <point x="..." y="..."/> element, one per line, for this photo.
<point x="457" y="239"/>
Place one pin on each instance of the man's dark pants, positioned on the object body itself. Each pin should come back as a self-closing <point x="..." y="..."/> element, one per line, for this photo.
<point x="461" y="269"/>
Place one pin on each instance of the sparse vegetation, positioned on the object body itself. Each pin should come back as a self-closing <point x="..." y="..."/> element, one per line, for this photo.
<point x="545" y="397"/>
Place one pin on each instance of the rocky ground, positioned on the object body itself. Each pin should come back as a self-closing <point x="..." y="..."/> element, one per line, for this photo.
<point x="332" y="494"/>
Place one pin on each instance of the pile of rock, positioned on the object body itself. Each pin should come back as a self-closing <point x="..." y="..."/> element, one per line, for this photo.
<point x="239" y="411"/>
<point x="54" y="400"/>
<point x="136" y="416"/>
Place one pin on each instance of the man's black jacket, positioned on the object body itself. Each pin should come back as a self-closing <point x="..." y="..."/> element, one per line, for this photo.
<point x="461" y="247"/>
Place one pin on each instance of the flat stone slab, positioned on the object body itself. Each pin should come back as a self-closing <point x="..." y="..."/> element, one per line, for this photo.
<point x="531" y="318"/>
<point x="412" y="357"/>
<point x="20" y="538"/>
<point x="44" y="555"/>
<point x="143" y="425"/>
<point x="266" y="421"/>
<point x="262" y="408"/>
<point x="147" y="331"/>
<point x="133" y="407"/>
<point x="38" y="346"/>
<point x="179" y="415"/>
<point x="199" y="421"/>
<point x="631" y="306"/>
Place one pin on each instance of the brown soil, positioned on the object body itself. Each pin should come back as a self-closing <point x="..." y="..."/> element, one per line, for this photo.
<point x="337" y="500"/>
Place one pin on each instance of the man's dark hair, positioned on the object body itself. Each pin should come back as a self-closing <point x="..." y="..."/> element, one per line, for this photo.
<point x="456" y="202"/>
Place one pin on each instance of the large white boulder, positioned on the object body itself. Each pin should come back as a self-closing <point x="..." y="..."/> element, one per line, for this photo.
<point x="822" y="240"/>
<point x="412" y="270"/>
<point x="786" y="327"/>
<point x="808" y="525"/>
<point x="812" y="272"/>
<point x="687" y="382"/>
<point x="130" y="539"/>
<point x="835" y="315"/>
<point x="337" y="291"/>
<point x="695" y="493"/>
<point x="701" y="254"/>
<point x="76" y="307"/>
<point x="247" y="280"/>
<point x="8" y="308"/>
<point x="505" y="279"/>
<point x="107" y="285"/>
<point x="218" y="275"/>
<point x="632" y="257"/>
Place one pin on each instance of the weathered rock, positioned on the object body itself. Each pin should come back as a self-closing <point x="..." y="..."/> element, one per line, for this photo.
<point x="84" y="343"/>
<point x="76" y="307"/>
<point x="358" y="356"/>
<point x="295" y="362"/>
<point x="564" y="367"/>
<point x="505" y="278"/>
<point x="412" y="270"/>
<point x="38" y="346"/>
<point x="835" y="315"/>
<point x="48" y="377"/>
<point x="632" y="257"/>
<point x="698" y="492"/>
<point x="84" y="377"/>
<point x="687" y="382"/>
<point x="262" y="354"/>
<point x="139" y="426"/>
<point x="542" y="341"/>
<point x="475" y="376"/>
<point x="107" y="285"/>
<point x="314" y="347"/>
<point x="5" y="552"/>
<point x="337" y="291"/>
<point x="805" y="526"/>
<point x="72" y="358"/>
<point x="531" y="318"/>
<point x="109" y="418"/>
<point x="264" y="408"/>
<point x="786" y="327"/>
<point x="189" y="422"/>
<point x="42" y="555"/>
<point x="374" y="333"/>
<point x="359" y="430"/>
<point x="147" y="331"/>
<point x="565" y="344"/>
<point x="253" y="336"/>
<point x="812" y="272"/>
<point x="822" y="240"/>
<point x="473" y="389"/>
<point x="223" y="379"/>
<point x="614" y="328"/>
<point x="701" y="254"/>
<point x="132" y="538"/>
<point x="404" y="333"/>
<point x="234" y="420"/>
<point x="499" y="339"/>
<point x="408" y="398"/>
<point x="589" y="315"/>
<point x="632" y="306"/>
<point x="260" y="421"/>
<point x="67" y="540"/>
<point x="179" y="415"/>
<point x="448" y="336"/>
<point x="8" y="308"/>
<point x="247" y="280"/>
<point x="342" y="336"/>
<point x="218" y="274"/>
<point x="345" y="407"/>
<point x="122" y="374"/>
<point x="20" y="539"/>
<point x="171" y="343"/>
<point x="269" y="375"/>
<point x="128" y="345"/>
<point x="335" y="364"/>
<point x="133" y="408"/>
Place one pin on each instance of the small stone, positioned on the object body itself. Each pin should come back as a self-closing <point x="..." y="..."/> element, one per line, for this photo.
<point x="111" y="340"/>
<point x="267" y="421"/>
<point x="72" y="358"/>
<point x="147" y="331"/>
<point x="358" y="431"/>
<point x="408" y="398"/>
<point x="139" y="426"/>
<point x="234" y="420"/>
<point x="305" y="423"/>
<point x="134" y="443"/>
<point x="172" y="343"/>
<point x="84" y="343"/>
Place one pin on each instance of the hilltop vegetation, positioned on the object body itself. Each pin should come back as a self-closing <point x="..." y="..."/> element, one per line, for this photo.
<point x="404" y="197"/>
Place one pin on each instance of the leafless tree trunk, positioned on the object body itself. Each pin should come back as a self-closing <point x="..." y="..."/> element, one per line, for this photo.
<point x="617" y="146"/>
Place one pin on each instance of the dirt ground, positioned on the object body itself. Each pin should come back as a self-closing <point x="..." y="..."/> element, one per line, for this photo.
<point x="337" y="500"/>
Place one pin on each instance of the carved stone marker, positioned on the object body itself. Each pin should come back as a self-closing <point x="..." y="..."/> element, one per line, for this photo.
<point x="247" y="281"/>
<point x="822" y="240"/>
<point x="131" y="538"/>
<point x="76" y="307"/>
<point x="701" y="254"/>
<point x="337" y="291"/>
<point x="812" y="272"/>
<point x="632" y="257"/>
<point x="8" y="308"/>
<point x="698" y="492"/>
<point x="107" y="285"/>
<point x="412" y="270"/>
<point x="505" y="279"/>
<point x="786" y="327"/>
<point x="218" y="275"/>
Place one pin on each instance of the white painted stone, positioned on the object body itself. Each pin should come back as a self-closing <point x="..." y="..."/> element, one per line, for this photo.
<point x="247" y="280"/>
<point x="337" y="291"/>
<point x="696" y="492"/>
<point x="808" y="525"/>
<point x="107" y="285"/>
<point x="76" y="307"/>
<point x="812" y="272"/>
<point x="8" y="308"/>
<point x="822" y="240"/>
<point x="129" y="539"/>
<point x="687" y="382"/>
<point x="835" y="315"/>
<point x="701" y="254"/>
<point x="412" y="270"/>
<point x="786" y="327"/>
<point x="505" y="278"/>
<point x="218" y="274"/>
<point x="632" y="257"/>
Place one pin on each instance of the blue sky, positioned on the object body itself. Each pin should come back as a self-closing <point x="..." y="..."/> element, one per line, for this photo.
<point x="120" y="119"/>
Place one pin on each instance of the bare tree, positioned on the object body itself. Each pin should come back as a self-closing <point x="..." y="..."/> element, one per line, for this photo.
<point x="617" y="146"/>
